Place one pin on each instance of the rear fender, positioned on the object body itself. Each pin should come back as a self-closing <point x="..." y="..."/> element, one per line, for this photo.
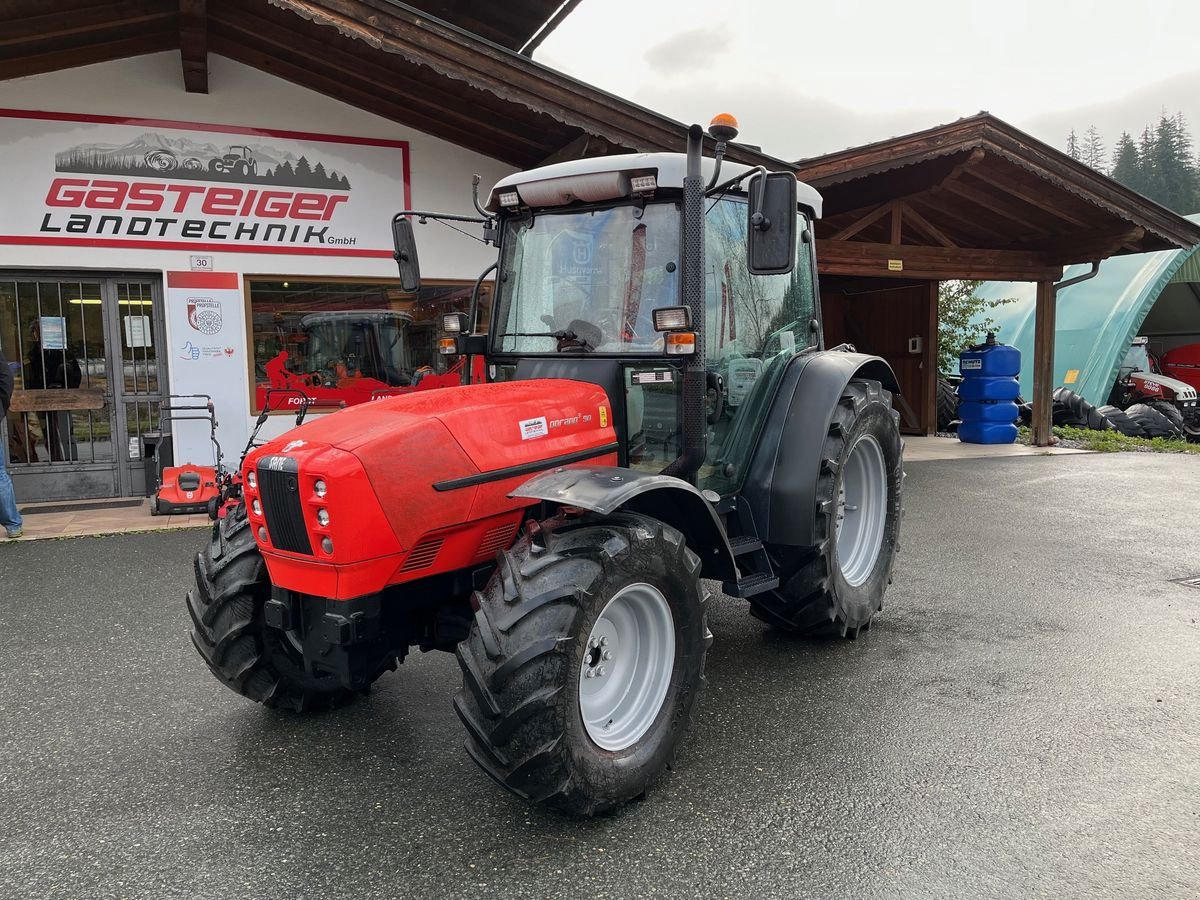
<point x="781" y="481"/>
<point x="607" y="489"/>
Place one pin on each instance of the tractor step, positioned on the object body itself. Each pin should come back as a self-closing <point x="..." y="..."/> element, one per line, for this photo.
<point x="749" y="585"/>
<point x="743" y="544"/>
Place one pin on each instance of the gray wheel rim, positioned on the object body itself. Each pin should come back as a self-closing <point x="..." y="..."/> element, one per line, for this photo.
<point x="627" y="666"/>
<point x="861" y="510"/>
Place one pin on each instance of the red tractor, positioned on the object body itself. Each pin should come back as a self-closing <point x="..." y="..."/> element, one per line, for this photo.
<point x="1153" y="401"/>
<point x="551" y="527"/>
<point x="351" y="356"/>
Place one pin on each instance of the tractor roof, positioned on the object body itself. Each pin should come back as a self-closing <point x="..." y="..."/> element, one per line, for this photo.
<point x="566" y="182"/>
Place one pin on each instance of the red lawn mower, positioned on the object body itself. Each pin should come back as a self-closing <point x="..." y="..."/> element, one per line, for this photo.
<point x="186" y="488"/>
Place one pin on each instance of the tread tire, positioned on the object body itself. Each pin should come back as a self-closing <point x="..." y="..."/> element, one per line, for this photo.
<point x="1121" y="422"/>
<point x="1170" y="411"/>
<point x="521" y="663"/>
<point x="228" y="630"/>
<point x="947" y="405"/>
<point x="1072" y="410"/>
<point x="1152" y="422"/>
<point x="813" y="598"/>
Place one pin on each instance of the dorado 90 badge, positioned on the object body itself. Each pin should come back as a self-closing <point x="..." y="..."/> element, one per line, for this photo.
<point x="204" y="314"/>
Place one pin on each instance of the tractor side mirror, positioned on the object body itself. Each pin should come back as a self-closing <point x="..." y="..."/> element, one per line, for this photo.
<point x="405" y="244"/>
<point x="771" y="235"/>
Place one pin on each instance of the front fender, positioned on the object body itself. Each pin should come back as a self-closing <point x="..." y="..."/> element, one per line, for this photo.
<point x="781" y="480"/>
<point x="607" y="489"/>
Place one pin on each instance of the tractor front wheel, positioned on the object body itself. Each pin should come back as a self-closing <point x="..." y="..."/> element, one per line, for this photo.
<point x="230" y="633"/>
<point x="585" y="661"/>
<point x="836" y="586"/>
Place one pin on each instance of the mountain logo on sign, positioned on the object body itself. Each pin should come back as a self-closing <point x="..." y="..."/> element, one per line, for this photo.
<point x="200" y="159"/>
<point x="204" y="314"/>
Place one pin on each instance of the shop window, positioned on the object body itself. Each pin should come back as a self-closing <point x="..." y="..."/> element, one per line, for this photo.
<point x="352" y="341"/>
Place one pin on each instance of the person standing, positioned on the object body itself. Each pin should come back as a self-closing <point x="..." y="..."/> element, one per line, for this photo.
<point x="10" y="516"/>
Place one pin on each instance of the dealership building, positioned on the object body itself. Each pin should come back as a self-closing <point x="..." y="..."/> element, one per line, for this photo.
<point x="198" y="197"/>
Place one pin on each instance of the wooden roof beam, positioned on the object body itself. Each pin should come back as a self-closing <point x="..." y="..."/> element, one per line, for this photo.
<point x="994" y="205"/>
<point x="1099" y="243"/>
<point x="1029" y="196"/>
<point x="56" y="60"/>
<point x="193" y="45"/>
<point x="869" y="219"/>
<point x="938" y="263"/>
<point x="920" y="223"/>
<point x="57" y="25"/>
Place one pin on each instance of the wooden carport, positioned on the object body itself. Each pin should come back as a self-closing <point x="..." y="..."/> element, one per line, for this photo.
<point x="976" y="199"/>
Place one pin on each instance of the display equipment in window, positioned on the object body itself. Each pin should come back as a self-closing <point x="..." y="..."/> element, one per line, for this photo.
<point x="352" y="341"/>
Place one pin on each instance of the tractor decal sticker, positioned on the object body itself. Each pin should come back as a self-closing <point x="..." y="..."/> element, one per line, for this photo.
<point x="604" y="417"/>
<point x="534" y="428"/>
<point x="204" y="314"/>
<point x="151" y="153"/>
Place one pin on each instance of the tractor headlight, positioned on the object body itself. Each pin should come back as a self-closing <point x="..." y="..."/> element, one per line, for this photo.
<point x="256" y="506"/>
<point x="251" y="479"/>
<point x="320" y="487"/>
<point x="322" y="517"/>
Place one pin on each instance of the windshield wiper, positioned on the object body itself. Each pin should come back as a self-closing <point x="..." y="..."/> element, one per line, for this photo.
<point x="560" y="336"/>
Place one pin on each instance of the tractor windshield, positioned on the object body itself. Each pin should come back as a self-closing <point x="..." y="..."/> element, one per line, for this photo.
<point x="597" y="275"/>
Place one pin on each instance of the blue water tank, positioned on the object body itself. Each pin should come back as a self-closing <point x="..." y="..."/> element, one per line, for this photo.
<point x="989" y="386"/>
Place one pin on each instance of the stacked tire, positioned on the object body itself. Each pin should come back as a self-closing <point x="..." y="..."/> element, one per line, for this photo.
<point x="1157" y="419"/>
<point x="1072" y="410"/>
<point x="1121" y="421"/>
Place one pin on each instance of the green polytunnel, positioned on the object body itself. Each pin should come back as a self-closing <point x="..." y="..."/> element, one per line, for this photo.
<point x="1156" y="294"/>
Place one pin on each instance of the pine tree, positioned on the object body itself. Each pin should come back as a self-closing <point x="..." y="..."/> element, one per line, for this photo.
<point x="1094" y="153"/>
<point x="303" y="170"/>
<point x="1127" y="167"/>
<point x="1072" y="145"/>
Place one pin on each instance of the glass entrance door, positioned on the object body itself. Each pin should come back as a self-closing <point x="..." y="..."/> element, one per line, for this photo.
<point x="83" y="352"/>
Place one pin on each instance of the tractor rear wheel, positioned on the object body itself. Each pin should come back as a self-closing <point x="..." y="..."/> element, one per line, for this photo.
<point x="836" y="586"/>
<point x="585" y="661"/>
<point x="230" y="633"/>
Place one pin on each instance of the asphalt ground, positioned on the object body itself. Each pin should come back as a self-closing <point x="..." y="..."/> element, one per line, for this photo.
<point x="1023" y="721"/>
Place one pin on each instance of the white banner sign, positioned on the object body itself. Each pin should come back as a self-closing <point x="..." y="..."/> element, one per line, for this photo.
<point x="208" y="356"/>
<point x="104" y="181"/>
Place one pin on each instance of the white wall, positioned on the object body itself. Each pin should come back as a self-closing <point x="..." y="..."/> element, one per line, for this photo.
<point x="151" y="87"/>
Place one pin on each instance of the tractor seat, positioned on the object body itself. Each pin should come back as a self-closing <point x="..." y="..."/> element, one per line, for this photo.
<point x="189" y="481"/>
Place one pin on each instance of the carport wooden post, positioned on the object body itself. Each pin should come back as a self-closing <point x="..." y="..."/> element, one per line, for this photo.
<point x="1043" y="362"/>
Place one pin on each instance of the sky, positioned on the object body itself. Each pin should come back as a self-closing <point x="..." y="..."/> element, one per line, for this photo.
<point x="806" y="78"/>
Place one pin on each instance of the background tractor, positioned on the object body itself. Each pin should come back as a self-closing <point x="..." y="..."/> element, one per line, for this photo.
<point x="351" y="356"/>
<point x="551" y="527"/>
<point x="1153" y="402"/>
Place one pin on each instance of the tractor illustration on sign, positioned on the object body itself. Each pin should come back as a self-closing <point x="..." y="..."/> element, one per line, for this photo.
<point x="552" y="527"/>
<point x="238" y="161"/>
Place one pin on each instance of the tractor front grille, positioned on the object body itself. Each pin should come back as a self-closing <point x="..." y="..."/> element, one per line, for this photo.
<point x="279" y="486"/>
